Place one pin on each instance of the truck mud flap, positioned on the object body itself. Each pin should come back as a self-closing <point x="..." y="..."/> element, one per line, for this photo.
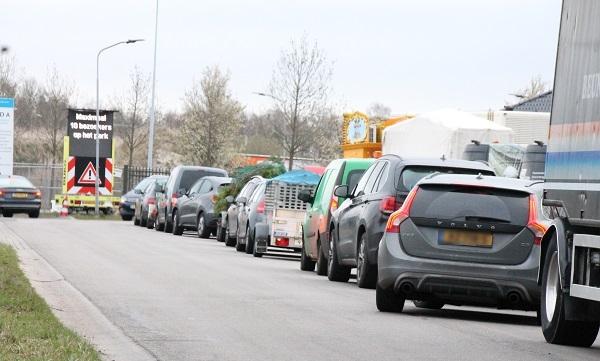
<point x="262" y="237"/>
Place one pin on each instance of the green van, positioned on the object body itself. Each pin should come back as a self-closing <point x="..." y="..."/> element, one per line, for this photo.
<point x="320" y="207"/>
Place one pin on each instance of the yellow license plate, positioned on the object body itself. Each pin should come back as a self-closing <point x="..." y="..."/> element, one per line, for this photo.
<point x="456" y="237"/>
<point x="19" y="195"/>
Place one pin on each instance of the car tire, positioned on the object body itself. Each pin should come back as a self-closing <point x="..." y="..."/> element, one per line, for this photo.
<point x="143" y="221"/>
<point x="366" y="273"/>
<point x="220" y="234"/>
<point x="388" y="301"/>
<point x="306" y="264"/>
<point x="229" y="241"/>
<point x="201" y="228"/>
<point x="430" y="305"/>
<point x="168" y="228"/>
<point x="255" y="252"/>
<point x="159" y="227"/>
<point x="7" y="214"/>
<point x="335" y="271"/>
<point x="34" y="214"/>
<point x="556" y="329"/>
<point x="238" y="245"/>
<point x="321" y="260"/>
<point x="176" y="227"/>
<point x="150" y="223"/>
<point x="127" y="218"/>
<point x="136" y="221"/>
<point x="249" y="242"/>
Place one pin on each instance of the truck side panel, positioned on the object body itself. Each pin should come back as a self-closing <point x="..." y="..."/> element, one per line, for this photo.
<point x="573" y="158"/>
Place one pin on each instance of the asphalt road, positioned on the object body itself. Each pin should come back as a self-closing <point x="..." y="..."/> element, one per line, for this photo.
<point x="185" y="298"/>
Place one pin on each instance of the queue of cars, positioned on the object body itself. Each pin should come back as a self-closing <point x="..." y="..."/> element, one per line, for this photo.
<point x="433" y="231"/>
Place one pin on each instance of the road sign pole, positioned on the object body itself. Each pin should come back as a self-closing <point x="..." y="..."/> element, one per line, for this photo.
<point x="97" y="180"/>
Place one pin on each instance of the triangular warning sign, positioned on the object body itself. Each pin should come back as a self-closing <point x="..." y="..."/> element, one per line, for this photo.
<point x="89" y="175"/>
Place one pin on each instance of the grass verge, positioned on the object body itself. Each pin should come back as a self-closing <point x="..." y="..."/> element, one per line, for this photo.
<point x="28" y="329"/>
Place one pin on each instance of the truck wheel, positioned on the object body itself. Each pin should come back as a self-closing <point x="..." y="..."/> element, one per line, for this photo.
<point x="7" y="214"/>
<point x="321" y="260"/>
<point x="249" y="242"/>
<point x="34" y="214"/>
<point x="306" y="264"/>
<point x="556" y="328"/>
<point x="366" y="273"/>
<point x="125" y="218"/>
<point x="255" y="252"/>
<point x="176" y="227"/>
<point x="202" y="229"/>
<point x="335" y="271"/>
<point x="387" y="300"/>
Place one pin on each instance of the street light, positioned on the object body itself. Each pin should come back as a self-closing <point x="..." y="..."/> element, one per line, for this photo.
<point x="152" y="111"/>
<point x="97" y="182"/>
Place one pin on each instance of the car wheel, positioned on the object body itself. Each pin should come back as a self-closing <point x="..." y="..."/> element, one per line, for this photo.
<point x="387" y="300"/>
<point x="203" y="231"/>
<point x="239" y="246"/>
<point x="168" y="228"/>
<point x="556" y="328"/>
<point x="143" y="221"/>
<point x="177" y="228"/>
<point x="321" y="260"/>
<point x="159" y="227"/>
<point x="7" y="214"/>
<point x="306" y="264"/>
<point x="255" y="252"/>
<point x="34" y="214"/>
<point x="431" y="305"/>
<point x="126" y="218"/>
<point x="229" y="241"/>
<point x="136" y="221"/>
<point x="366" y="273"/>
<point x="249" y="242"/>
<point x="220" y="233"/>
<point x="150" y="223"/>
<point x="335" y="271"/>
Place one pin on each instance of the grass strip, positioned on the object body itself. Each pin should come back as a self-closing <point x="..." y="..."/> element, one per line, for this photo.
<point x="28" y="329"/>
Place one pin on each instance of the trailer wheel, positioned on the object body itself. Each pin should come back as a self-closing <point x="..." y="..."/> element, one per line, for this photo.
<point x="556" y="328"/>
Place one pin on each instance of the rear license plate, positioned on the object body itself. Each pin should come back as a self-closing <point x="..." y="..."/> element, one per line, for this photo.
<point x="19" y="195"/>
<point x="277" y="233"/>
<point x="456" y="237"/>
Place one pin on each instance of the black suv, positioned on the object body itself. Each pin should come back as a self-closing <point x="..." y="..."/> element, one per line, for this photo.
<point x="180" y="181"/>
<point x="358" y="225"/>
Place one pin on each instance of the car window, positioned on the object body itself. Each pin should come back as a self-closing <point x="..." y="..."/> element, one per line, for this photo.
<point x="360" y="186"/>
<point x="383" y="176"/>
<point x="196" y="186"/>
<point x="353" y="177"/>
<point x="15" y="182"/>
<point x="322" y="183"/>
<point x="247" y="190"/>
<point x="143" y="184"/>
<point x="205" y="187"/>
<point x="328" y="189"/>
<point x="460" y="203"/>
<point x="258" y="192"/>
<point x="373" y="177"/>
<point x="411" y="175"/>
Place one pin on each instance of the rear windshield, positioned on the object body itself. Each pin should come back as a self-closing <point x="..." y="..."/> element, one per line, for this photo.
<point x="190" y="176"/>
<point x="143" y="184"/>
<point x="354" y="177"/>
<point x="459" y="203"/>
<point x="15" y="182"/>
<point x="411" y="175"/>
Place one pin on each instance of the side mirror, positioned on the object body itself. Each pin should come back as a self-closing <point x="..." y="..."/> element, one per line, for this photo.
<point x="305" y="196"/>
<point x="229" y="199"/>
<point x="159" y="189"/>
<point x="242" y="200"/>
<point x="342" y="191"/>
<point x="181" y="192"/>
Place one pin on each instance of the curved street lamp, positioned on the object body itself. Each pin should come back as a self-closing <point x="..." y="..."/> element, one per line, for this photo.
<point x="97" y="182"/>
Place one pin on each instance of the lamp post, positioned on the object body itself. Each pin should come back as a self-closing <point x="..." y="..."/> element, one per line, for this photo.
<point x="97" y="181"/>
<point x="152" y="111"/>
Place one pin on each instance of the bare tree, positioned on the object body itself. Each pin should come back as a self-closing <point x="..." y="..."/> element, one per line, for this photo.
<point x="379" y="111"/>
<point x="133" y="113"/>
<point x="535" y="87"/>
<point x="8" y="84"/>
<point x="212" y="119"/>
<point x="300" y="88"/>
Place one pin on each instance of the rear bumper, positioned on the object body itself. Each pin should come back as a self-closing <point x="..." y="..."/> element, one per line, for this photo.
<point x="126" y="209"/>
<point x="502" y="286"/>
<point x="21" y="206"/>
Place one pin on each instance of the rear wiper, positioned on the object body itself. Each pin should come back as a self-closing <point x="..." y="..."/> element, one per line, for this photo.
<point x="484" y="219"/>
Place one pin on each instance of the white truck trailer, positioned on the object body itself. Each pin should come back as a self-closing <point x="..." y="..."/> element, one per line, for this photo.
<point x="570" y="257"/>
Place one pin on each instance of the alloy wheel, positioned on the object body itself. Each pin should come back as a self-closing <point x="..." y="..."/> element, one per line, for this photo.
<point x="552" y="286"/>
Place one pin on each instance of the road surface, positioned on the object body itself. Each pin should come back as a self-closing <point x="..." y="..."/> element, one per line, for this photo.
<point x="185" y="298"/>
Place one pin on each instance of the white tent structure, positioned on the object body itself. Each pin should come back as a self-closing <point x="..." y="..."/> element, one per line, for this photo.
<point x="441" y="133"/>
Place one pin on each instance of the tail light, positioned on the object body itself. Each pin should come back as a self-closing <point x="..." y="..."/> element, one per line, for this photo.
<point x="174" y="199"/>
<point x="260" y="208"/>
<point x="38" y="194"/>
<point x="333" y="205"/>
<point x="282" y="242"/>
<point x="151" y="200"/>
<point x="534" y="226"/>
<point x="1" y="193"/>
<point x="393" y="224"/>
<point x="388" y="205"/>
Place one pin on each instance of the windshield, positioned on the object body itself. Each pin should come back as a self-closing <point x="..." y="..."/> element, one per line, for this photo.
<point x="143" y="184"/>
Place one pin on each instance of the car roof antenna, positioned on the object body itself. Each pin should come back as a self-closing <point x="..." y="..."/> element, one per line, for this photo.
<point x="443" y="157"/>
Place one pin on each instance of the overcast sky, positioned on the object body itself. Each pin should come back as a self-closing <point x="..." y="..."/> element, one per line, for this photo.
<point x="410" y="55"/>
